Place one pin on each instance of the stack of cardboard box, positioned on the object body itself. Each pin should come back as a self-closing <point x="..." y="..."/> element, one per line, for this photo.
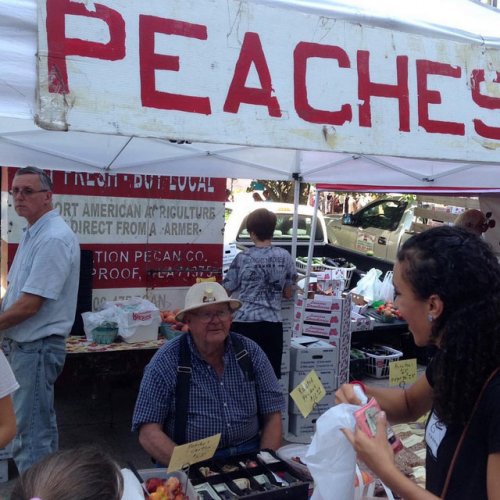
<point x="306" y="354"/>
<point x="321" y="342"/>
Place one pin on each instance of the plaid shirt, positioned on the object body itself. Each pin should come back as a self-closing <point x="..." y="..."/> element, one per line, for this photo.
<point x="230" y="405"/>
<point x="259" y="275"/>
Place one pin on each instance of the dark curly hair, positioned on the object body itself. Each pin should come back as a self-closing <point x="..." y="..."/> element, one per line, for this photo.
<point x="262" y="222"/>
<point x="462" y="270"/>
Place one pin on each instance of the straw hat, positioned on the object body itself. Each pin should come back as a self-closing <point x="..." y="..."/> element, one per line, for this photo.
<point x="206" y="294"/>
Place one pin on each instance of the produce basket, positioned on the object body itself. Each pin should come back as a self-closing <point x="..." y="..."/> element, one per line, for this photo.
<point x="378" y="359"/>
<point x="105" y="334"/>
<point x="168" y="332"/>
<point x="357" y="364"/>
<point x="302" y="266"/>
<point x="341" y="272"/>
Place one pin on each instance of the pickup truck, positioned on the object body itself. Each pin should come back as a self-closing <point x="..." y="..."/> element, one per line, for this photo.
<point x="378" y="229"/>
<point x="374" y="230"/>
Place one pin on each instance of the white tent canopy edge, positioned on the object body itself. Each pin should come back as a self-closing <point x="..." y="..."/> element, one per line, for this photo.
<point x="81" y="151"/>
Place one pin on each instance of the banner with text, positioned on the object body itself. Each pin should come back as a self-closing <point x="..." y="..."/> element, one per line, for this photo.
<point x="145" y="232"/>
<point x="264" y="75"/>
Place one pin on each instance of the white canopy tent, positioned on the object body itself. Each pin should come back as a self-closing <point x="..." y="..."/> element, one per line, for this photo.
<point x="22" y="142"/>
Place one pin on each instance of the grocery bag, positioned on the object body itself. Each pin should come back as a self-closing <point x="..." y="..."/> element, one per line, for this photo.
<point x="369" y="285"/>
<point x="330" y="458"/>
<point x="92" y="320"/>
<point x="387" y="288"/>
<point x="133" y="313"/>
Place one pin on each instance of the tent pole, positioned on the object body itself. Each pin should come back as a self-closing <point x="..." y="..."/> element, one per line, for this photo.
<point x="310" y="252"/>
<point x="295" y="222"/>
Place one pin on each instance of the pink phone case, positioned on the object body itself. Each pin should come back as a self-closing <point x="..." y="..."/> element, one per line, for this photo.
<point x="366" y="418"/>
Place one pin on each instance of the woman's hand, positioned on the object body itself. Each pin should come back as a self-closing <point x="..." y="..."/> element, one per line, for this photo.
<point x="375" y="452"/>
<point x="345" y="394"/>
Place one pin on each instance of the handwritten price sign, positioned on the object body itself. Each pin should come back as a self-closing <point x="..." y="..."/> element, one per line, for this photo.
<point x="308" y="393"/>
<point x="402" y="373"/>
<point x="193" y="452"/>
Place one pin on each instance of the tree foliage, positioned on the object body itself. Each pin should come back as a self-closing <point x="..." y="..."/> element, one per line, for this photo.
<point x="282" y="190"/>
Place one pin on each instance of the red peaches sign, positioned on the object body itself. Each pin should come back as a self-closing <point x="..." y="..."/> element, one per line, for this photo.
<point x="246" y="73"/>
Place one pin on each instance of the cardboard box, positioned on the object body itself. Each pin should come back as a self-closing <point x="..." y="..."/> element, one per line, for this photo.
<point x="328" y="378"/>
<point x="325" y="404"/>
<point x="287" y="338"/>
<point x="326" y="284"/>
<point x="359" y="309"/>
<point x="308" y="354"/>
<point x="300" y="426"/>
<point x="361" y="323"/>
<point x="326" y="318"/>
<point x="284" y="382"/>
<point x="317" y="330"/>
<point x="285" y="361"/>
<point x="320" y="303"/>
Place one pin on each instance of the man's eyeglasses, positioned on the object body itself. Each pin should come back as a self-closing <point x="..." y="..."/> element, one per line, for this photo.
<point x="206" y="317"/>
<point x="26" y="191"/>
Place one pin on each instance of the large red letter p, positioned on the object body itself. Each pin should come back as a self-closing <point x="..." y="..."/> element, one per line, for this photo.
<point x="59" y="46"/>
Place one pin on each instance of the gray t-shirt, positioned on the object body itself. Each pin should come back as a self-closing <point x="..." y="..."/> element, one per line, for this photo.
<point x="259" y="275"/>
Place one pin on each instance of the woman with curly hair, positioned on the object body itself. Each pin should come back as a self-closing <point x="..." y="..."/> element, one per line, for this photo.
<point x="447" y="285"/>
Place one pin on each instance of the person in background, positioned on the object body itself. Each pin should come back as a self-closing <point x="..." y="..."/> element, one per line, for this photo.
<point x="346" y="205"/>
<point x="473" y="220"/>
<point x="75" y="474"/>
<point x="262" y="275"/>
<point x="267" y="195"/>
<point x="8" y="384"/>
<point x="447" y="285"/>
<point x="231" y="389"/>
<point x="257" y="197"/>
<point x="37" y="313"/>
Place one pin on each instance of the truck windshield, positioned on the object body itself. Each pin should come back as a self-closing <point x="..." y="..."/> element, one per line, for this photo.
<point x="284" y="228"/>
<point x="383" y="214"/>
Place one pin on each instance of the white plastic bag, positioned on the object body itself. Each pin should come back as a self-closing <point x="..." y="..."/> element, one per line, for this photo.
<point x="369" y="285"/>
<point x="133" y="313"/>
<point x="92" y="320"/>
<point x="330" y="458"/>
<point x="387" y="288"/>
